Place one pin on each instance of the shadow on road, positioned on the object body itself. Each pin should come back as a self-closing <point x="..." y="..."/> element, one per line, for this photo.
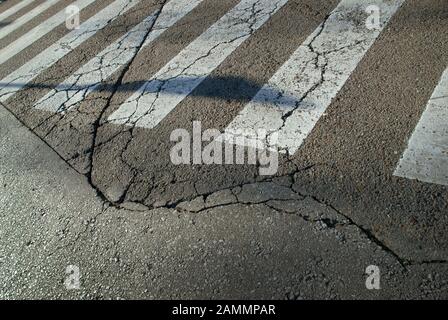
<point x="225" y="88"/>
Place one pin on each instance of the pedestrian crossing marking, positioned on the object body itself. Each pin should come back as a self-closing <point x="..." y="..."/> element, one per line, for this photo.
<point x="38" y="32"/>
<point x="16" y="80"/>
<point x="26" y="17"/>
<point x="311" y="78"/>
<point x="176" y="80"/>
<point x="426" y="157"/>
<point x="14" y="9"/>
<point x="290" y="104"/>
<point x="88" y="77"/>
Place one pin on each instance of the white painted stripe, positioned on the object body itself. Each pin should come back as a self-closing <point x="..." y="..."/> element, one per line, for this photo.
<point x="38" y="32"/>
<point x="26" y="17"/>
<point x="26" y="73"/>
<point x="154" y="100"/>
<point x="88" y="77"/>
<point x="291" y="103"/>
<point x="426" y="157"/>
<point x="14" y="9"/>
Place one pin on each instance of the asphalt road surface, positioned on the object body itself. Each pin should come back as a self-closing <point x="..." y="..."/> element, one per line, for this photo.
<point x="353" y="95"/>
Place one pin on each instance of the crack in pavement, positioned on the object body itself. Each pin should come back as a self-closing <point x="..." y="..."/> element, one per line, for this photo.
<point x="97" y="123"/>
<point x="317" y="60"/>
<point x="320" y="63"/>
<point x="345" y="220"/>
<point x="77" y="36"/>
<point x="160" y="81"/>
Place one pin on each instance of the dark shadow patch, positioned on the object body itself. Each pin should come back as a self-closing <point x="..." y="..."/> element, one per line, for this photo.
<point x="229" y="88"/>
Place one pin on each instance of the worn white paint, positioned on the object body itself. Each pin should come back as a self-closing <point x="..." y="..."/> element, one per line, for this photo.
<point x="26" y="17"/>
<point x="38" y="32"/>
<point x="88" y="77"/>
<point x="426" y="157"/>
<point x="16" y="80"/>
<point x="176" y="80"/>
<point x="14" y="9"/>
<point x="298" y="94"/>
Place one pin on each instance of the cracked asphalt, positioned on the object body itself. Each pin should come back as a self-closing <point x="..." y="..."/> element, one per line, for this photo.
<point x="256" y="241"/>
<point x="84" y="183"/>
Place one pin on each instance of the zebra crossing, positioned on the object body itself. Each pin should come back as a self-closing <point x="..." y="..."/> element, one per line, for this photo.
<point x="322" y="64"/>
<point x="23" y="75"/>
<point x="9" y="12"/>
<point x="150" y="105"/>
<point x="89" y="76"/>
<point x="26" y="17"/>
<point x="38" y="32"/>
<point x="290" y="104"/>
